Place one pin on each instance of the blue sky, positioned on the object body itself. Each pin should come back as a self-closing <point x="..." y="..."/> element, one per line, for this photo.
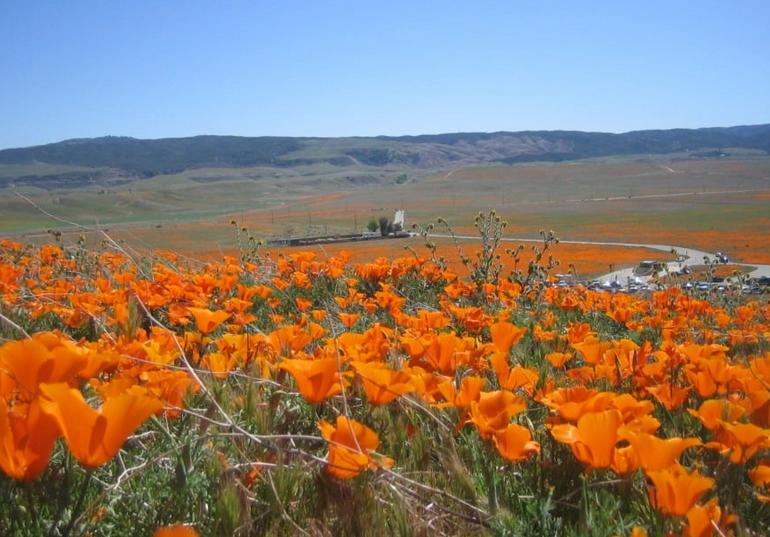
<point x="326" y="68"/>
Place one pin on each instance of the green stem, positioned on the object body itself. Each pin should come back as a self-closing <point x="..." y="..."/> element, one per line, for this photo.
<point x="489" y="477"/>
<point x="78" y="504"/>
<point x="63" y="495"/>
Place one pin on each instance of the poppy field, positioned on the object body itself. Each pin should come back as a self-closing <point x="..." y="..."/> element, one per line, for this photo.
<point x="300" y="394"/>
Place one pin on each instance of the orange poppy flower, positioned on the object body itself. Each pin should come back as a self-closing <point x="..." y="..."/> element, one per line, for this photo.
<point x="571" y="403"/>
<point x="351" y="444"/>
<point x="317" y="380"/>
<point x="631" y="408"/>
<point x="543" y="335"/>
<point x="653" y="453"/>
<point x="702" y="518"/>
<point x="348" y="319"/>
<point x="220" y="364"/>
<point x="27" y="437"/>
<point x="558" y="359"/>
<point x="668" y="395"/>
<point x="303" y="303"/>
<point x="742" y="440"/>
<point x="577" y="332"/>
<point x="493" y="411"/>
<point x="593" y="440"/>
<point x="288" y="338"/>
<point x="676" y="490"/>
<point x="515" y="377"/>
<point x="95" y="436"/>
<point x="470" y="390"/>
<point x="515" y="443"/>
<point x="712" y="412"/>
<point x="177" y="530"/>
<point x="381" y="384"/>
<point x="446" y="351"/>
<point x="169" y="386"/>
<point x="592" y="349"/>
<point x="43" y="358"/>
<point x="760" y="475"/>
<point x="505" y="335"/>
<point x="206" y="320"/>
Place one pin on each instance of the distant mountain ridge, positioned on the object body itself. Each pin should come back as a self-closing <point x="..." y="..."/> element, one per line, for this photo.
<point x="146" y="158"/>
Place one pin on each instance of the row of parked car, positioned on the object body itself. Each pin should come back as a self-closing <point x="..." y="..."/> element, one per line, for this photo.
<point x="754" y="286"/>
<point x="611" y="286"/>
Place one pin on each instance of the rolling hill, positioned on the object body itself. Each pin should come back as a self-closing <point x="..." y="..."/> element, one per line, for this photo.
<point x="86" y="160"/>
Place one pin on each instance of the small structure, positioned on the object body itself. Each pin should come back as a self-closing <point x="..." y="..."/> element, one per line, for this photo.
<point x="399" y="219"/>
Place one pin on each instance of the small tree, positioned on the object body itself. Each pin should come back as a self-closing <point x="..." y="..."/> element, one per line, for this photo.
<point x="372" y="225"/>
<point x="384" y="226"/>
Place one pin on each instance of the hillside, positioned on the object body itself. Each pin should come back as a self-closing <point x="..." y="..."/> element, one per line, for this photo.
<point x="85" y="160"/>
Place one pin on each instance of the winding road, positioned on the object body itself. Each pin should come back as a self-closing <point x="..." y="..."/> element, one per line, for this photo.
<point x="689" y="256"/>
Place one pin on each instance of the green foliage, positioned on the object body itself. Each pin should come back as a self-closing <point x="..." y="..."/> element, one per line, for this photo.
<point x="384" y="225"/>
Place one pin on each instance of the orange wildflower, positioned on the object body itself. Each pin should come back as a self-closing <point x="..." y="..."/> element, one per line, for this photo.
<point x="558" y="359"/>
<point x="676" y="490"/>
<point x="592" y="349"/>
<point x="668" y="395"/>
<point x="577" y="332"/>
<point x="515" y="443"/>
<point x="470" y="390"/>
<point x="712" y="412"/>
<point x="514" y="377"/>
<point x="317" y="380"/>
<point x="572" y="403"/>
<point x="303" y="304"/>
<point x="593" y="440"/>
<point x="206" y="320"/>
<point x="349" y="319"/>
<point x="381" y="384"/>
<point x="27" y="436"/>
<point x="177" y="530"/>
<point x="43" y="358"/>
<point x="653" y="453"/>
<point x="741" y="440"/>
<point x="702" y="518"/>
<point x="760" y="475"/>
<point x="505" y="335"/>
<point x="351" y="444"/>
<point x="493" y="411"/>
<point x="95" y="436"/>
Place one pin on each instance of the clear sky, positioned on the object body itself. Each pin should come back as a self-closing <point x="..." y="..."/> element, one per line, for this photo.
<point x="161" y="68"/>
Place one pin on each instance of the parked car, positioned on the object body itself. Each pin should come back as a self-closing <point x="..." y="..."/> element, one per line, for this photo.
<point x="722" y="258"/>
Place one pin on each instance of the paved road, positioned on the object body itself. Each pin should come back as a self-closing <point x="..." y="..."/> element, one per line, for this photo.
<point x="688" y="256"/>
